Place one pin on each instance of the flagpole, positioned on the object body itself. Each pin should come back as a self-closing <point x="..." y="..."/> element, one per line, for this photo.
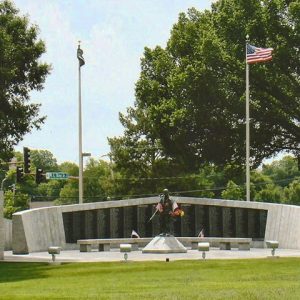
<point x="80" y="135"/>
<point x="247" y="128"/>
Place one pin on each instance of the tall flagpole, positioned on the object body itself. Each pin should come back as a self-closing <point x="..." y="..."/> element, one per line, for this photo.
<point x="247" y="129"/>
<point x="79" y="55"/>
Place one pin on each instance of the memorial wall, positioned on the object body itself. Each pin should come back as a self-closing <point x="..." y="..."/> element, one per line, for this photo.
<point x="37" y="229"/>
<point x="119" y="222"/>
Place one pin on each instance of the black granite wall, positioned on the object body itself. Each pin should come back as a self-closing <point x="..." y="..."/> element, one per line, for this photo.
<point x="119" y="222"/>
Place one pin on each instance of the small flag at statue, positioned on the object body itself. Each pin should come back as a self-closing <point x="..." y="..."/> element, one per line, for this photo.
<point x="201" y="233"/>
<point x="134" y="234"/>
<point x="80" y="56"/>
<point x="255" y="54"/>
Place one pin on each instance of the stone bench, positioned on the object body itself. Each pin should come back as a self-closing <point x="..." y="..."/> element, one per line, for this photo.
<point x="221" y="242"/>
<point x="105" y="244"/>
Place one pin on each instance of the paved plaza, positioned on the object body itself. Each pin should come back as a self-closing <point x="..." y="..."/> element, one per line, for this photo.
<point x="116" y="255"/>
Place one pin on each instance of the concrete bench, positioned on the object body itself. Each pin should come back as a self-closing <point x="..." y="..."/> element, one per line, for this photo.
<point x="221" y="242"/>
<point x="106" y="244"/>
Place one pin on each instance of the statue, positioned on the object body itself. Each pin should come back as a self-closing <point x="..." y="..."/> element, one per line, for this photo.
<point x="168" y="211"/>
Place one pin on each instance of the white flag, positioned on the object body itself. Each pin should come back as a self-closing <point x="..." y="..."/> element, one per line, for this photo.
<point x="134" y="234"/>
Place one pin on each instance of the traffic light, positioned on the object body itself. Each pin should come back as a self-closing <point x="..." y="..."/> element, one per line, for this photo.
<point x="26" y="152"/>
<point x="19" y="174"/>
<point x="39" y="177"/>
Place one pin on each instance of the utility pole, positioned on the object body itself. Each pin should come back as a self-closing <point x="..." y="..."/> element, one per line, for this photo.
<point x="81" y="62"/>
<point x="247" y="128"/>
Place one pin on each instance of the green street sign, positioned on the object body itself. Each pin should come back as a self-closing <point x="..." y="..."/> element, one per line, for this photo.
<point x="57" y="175"/>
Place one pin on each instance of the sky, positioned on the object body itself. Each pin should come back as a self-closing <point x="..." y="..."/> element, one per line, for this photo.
<point x="113" y="34"/>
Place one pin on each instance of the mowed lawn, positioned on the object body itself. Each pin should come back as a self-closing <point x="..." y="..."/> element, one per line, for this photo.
<point x="194" y="279"/>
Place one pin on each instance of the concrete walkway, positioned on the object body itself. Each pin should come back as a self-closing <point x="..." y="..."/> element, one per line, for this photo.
<point x="116" y="255"/>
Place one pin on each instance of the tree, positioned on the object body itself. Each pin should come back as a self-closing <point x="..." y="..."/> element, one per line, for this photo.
<point x="68" y="194"/>
<point x="97" y="181"/>
<point x="14" y="202"/>
<point x="282" y="171"/>
<point x="270" y="193"/>
<point x="292" y="192"/>
<point x="190" y="97"/>
<point x="21" y="71"/>
<point x="49" y="190"/>
<point x="233" y="192"/>
<point x="70" y="168"/>
<point x="43" y="159"/>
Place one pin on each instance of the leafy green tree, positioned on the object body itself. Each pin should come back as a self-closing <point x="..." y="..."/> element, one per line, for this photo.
<point x="96" y="177"/>
<point x="270" y="193"/>
<point x="68" y="194"/>
<point x="21" y="71"/>
<point x="233" y="192"/>
<point x="282" y="171"/>
<point x="49" y="190"/>
<point x="190" y="97"/>
<point x="70" y="168"/>
<point x="14" y="202"/>
<point x="43" y="159"/>
<point x="292" y="192"/>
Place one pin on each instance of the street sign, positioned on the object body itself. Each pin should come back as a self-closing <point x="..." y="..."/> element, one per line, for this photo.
<point x="57" y="175"/>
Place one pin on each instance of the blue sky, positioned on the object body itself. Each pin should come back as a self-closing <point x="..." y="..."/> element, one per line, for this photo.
<point x="113" y="34"/>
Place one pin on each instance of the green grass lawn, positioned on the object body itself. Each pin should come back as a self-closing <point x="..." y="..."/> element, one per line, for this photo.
<point x="194" y="279"/>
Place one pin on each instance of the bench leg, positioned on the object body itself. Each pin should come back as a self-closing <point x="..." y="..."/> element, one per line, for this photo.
<point x="225" y="246"/>
<point x="244" y="246"/>
<point x="85" y="248"/>
<point x="134" y="246"/>
<point x="194" y="245"/>
<point x="104" y="247"/>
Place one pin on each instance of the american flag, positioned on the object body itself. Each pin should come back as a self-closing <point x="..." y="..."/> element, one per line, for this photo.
<point x="255" y="54"/>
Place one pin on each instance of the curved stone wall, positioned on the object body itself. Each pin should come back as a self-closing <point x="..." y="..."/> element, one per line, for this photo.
<point x="37" y="229"/>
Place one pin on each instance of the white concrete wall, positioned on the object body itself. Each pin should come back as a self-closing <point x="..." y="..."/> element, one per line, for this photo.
<point x="7" y="234"/>
<point x="2" y="238"/>
<point x="37" y="229"/>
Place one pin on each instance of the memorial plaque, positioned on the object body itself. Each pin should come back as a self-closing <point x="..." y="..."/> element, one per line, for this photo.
<point x="142" y="219"/>
<point x="241" y="222"/>
<point x="116" y="222"/>
<point x="253" y="223"/>
<point x="263" y="214"/>
<point x="228" y="222"/>
<point x="155" y="223"/>
<point x="175" y="227"/>
<point x="130" y="220"/>
<point x="215" y="221"/>
<point x="89" y="224"/>
<point x="201" y="219"/>
<point x="68" y="227"/>
<point x="149" y="212"/>
<point x="188" y="220"/>
<point x="77" y="226"/>
<point x="103" y="223"/>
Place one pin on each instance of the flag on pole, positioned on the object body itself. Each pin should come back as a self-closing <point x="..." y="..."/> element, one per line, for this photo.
<point x="80" y="56"/>
<point x="255" y="54"/>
